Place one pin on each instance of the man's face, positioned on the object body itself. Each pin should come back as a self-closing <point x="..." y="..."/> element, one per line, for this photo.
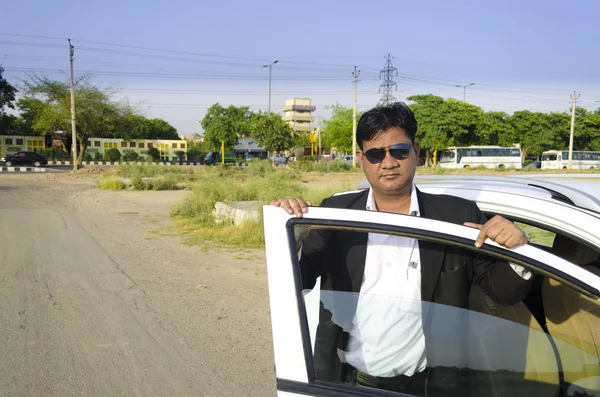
<point x="391" y="175"/>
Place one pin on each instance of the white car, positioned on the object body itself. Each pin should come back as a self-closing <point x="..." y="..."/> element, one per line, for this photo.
<point x="546" y="345"/>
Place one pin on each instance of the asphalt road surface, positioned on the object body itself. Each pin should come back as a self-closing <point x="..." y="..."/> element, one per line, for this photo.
<point x="91" y="306"/>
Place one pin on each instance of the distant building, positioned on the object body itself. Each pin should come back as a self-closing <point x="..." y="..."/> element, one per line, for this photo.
<point x="11" y="144"/>
<point x="297" y="112"/>
<point x="248" y="147"/>
<point x="167" y="148"/>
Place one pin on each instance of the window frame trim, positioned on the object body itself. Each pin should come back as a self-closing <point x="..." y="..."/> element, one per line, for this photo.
<point x="421" y="234"/>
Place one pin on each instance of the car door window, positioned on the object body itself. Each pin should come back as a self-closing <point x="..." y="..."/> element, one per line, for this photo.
<point x="366" y="340"/>
<point x="388" y="338"/>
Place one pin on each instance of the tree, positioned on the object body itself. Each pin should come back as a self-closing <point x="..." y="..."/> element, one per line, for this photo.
<point x="271" y="132"/>
<point x="337" y="130"/>
<point x="49" y="105"/>
<point x="430" y="132"/>
<point x="7" y="97"/>
<point x="113" y="155"/>
<point x="587" y="133"/>
<point x="499" y="131"/>
<point x="136" y="126"/>
<point x="225" y="124"/>
<point x="560" y="125"/>
<point x="160" y="129"/>
<point x="532" y="131"/>
<point x="154" y="154"/>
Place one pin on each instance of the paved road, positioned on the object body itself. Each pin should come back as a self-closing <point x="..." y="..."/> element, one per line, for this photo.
<point x="86" y="313"/>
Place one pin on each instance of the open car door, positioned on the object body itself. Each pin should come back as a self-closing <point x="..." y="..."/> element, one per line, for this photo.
<point x="546" y="345"/>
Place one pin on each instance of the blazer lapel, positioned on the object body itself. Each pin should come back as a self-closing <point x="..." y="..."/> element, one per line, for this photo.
<point x="432" y="254"/>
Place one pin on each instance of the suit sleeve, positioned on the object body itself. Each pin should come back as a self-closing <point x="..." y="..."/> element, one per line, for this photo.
<point x="496" y="277"/>
<point x="311" y="256"/>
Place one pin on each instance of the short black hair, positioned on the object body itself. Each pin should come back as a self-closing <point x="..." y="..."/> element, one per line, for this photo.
<point x="382" y="118"/>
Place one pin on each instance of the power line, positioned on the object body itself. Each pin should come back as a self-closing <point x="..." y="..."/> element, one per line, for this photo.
<point x="180" y="75"/>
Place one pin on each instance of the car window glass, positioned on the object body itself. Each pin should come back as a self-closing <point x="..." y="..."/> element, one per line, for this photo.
<point x="538" y="236"/>
<point x="461" y="338"/>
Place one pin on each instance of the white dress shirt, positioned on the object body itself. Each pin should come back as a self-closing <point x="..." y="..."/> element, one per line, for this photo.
<point x="386" y="335"/>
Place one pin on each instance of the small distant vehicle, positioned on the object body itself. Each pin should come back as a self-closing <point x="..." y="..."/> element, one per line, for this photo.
<point x="480" y="156"/>
<point x="346" y="159"/>
<point x="213" y="158"/>
<point x="24" y="158"/>
<point x="535" y="164"/>
<point x="281" y="159"/>
<point x="559" y="159"/>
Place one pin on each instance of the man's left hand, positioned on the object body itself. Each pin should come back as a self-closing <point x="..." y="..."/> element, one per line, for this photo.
<point x="500" y="230"/>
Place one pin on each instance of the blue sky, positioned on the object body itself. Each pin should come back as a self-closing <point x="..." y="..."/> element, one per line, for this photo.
<point x="520" y="54"/>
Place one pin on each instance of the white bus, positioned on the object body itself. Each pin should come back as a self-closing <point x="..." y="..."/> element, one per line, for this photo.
<point x="478" y="156"/>
<point x="559" y="159"/>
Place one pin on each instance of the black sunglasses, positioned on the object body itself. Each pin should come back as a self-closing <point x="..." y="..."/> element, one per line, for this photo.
<point x="399" y="151"/>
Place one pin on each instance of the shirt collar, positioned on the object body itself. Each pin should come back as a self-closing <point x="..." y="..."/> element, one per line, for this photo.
<point x="414" y="202"/>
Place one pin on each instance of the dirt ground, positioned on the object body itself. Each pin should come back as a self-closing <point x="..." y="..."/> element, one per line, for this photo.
<point x="209" y="305"/>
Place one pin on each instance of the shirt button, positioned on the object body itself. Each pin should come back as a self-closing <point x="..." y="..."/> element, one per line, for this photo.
<point x="388" y="264"/>
<point x="367" y="350"/>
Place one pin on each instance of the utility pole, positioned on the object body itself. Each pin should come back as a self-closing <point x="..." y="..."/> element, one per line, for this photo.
<point x="269" y="66"/>
<point x="355" y="74"/>
<point x="574" y="98"/>
<point x="319" y="136"/>
<point x="73" y="124"/>
<point x="464" y="90"/>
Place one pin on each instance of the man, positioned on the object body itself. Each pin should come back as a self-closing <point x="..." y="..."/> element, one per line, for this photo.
<point x="377" y="349"/>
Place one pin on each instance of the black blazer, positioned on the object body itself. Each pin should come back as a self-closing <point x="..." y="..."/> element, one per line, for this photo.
<point x="447" y="273"/>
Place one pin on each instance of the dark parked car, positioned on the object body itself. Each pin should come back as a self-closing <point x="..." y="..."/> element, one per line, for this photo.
<point x="24" y="158"/>
<point x="535" y="164"/>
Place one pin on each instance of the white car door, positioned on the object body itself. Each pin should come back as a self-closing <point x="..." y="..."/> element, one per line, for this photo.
<point x="549" y="345"/>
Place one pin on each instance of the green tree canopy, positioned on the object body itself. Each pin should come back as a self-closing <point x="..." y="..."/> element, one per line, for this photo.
<point x="47" y="103"/>
<point x="7" y="98"/>
<point x="271" y="132"/>
<point x="532" y="131"/>
<point x="225" y="124"/>
<point x="337" y="130"/>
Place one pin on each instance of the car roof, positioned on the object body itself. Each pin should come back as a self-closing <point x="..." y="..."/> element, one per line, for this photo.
<point x="540" y="189"/>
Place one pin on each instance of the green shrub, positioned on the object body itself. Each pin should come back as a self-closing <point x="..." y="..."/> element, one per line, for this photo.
<point x="130" y="155"/>
<point x="111" y="182"/>
<point x="98" y="156"/>
<point x="113" y="155"/>
<point x="260" y="167"/>
<point x="137" y="183"/>
<point x="154" y="154"/>
<point x="180" y="155"/>
<point x="305" y="166"/>
<point x="337" y="166"/>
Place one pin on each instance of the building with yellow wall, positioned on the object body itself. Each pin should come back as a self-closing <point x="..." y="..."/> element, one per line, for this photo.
<point x="167" y="148"/>
<point x="11" y="144"/>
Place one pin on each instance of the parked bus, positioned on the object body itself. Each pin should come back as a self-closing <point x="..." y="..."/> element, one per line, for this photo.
<point x="477" y="156"/>
<point x="559" y="159"/>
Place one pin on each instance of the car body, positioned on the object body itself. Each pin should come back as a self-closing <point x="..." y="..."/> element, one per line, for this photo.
<point x="346" y="159"/>
<point x="535" y="164"/>
<point x="280" y="159"/>
<point x="551" y="353"/>
<point x="213" y="158"/>
<point x="25" y="158"/>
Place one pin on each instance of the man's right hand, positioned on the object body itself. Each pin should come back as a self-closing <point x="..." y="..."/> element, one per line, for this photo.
<point x="296" y="206"/>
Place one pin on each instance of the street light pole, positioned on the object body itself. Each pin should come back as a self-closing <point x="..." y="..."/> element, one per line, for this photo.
<point x="464" y="90"/>
<point x="269" y="66"/>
